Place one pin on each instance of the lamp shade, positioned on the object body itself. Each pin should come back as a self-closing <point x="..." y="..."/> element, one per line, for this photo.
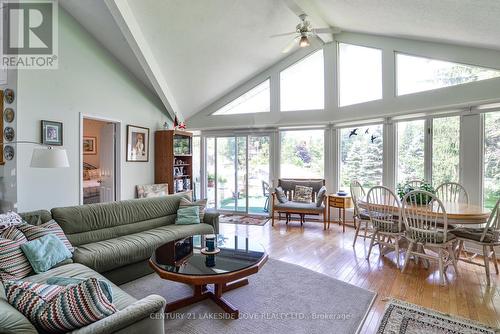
<point x="49" y="158"/>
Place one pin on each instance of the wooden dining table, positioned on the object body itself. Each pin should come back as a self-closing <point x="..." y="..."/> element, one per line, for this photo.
<point x="457" y="213"/>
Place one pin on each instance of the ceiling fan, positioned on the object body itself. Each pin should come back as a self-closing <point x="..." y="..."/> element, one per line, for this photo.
<point x="304" y="32"/>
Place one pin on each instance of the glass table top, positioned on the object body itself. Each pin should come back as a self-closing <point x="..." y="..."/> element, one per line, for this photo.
<point x="185" y="256"/>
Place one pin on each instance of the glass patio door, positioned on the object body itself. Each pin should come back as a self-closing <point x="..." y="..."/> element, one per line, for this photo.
<point x="237" y="169"/>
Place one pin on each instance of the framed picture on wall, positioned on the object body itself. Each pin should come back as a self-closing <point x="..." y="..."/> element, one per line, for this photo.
<point x="137" y="143"/>
<point x="89" y="145"/>
<point x="52" y="133"/>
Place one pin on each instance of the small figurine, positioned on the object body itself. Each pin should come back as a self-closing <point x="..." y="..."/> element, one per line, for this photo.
<point x="182" y="126"/>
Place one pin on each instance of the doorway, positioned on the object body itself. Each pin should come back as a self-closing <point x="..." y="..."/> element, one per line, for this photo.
<point x="238" y="173"/>
<point x="99" y="160"/>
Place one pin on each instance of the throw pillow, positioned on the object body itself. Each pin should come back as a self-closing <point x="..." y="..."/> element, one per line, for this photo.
<point x="188" y="215"/>
<point x="280" y="194"/>
<point x="320" y="196"/>
<point x="57" y="309"/>
<point x="13" y="262"/>
<point x="45" y="252"/>
<point x="65" y="281"/>
<point x="33" y="232"/>
<point x="302" y="194"/>
<point x="201" y="204"/>
<point x="13" y="233"/>
<point x="30" y="298"/>
<point x="9" y="219"/>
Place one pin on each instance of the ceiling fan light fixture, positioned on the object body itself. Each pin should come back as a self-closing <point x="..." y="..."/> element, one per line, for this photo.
<point x="304" y="42"/>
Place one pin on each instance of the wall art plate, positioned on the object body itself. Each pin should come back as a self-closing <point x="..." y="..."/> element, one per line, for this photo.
<point x="9" y="95"/>
<point x="9" y="134"/>
<point x="9" y="115"/>
<point x="8" y="152"/>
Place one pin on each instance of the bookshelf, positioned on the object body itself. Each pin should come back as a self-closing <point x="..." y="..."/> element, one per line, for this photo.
<point x="174" y="160"/>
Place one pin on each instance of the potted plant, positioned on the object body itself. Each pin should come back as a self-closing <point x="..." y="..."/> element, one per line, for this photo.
<point x="211" y="180"/>
<point x="404" y="188"/>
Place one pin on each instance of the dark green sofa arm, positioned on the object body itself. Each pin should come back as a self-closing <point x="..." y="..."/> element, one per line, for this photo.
<point x="212" y="218"/>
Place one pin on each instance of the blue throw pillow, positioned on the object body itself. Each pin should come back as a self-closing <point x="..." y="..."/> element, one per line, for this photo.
<point x="45" y="252"/>
<point x="187" y="216"/>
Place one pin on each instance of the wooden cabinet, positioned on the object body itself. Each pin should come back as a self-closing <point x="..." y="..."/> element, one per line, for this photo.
<point x="174" y="159"/>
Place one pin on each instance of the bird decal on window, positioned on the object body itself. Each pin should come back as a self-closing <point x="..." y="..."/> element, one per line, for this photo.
<point x="353" y="133"/>
<point x="373" y="138"/>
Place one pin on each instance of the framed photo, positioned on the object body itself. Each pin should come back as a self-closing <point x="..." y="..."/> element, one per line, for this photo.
<point x="90" y="145"/>
<point x="137" y="143"/>
<point x="52" y="133"/>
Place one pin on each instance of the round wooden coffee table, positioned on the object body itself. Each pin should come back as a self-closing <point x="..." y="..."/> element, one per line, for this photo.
<point x="210" y="275"/>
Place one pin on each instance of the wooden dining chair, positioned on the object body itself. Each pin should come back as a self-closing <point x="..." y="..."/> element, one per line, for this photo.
<point x="360" y="216"/>
<point x="384" y="210"/>
<point x="415" y="184"/>
<point x="487" y="237"/>
<point x="427" y="228"/>
<point x="452" y="192"/>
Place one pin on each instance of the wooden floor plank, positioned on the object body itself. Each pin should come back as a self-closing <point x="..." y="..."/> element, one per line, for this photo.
<point x="330" y="252"/>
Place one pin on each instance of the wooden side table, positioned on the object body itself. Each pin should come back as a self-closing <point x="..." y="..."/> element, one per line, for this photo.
<point x="341" y="203"/>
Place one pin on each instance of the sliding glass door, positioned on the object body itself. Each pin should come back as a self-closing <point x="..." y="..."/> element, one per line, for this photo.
<point x="238" y="173"/>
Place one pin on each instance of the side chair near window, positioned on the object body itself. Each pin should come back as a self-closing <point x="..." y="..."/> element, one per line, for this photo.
<point x="427" y="228"/>
<point x="488" y="238"/>
<point x="452" y="192"/>
<point x="360" y="216"/>
<point x="384" y="210"/>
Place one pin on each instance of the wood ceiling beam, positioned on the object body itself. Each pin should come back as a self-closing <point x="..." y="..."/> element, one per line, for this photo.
<point x="130" y="28"/>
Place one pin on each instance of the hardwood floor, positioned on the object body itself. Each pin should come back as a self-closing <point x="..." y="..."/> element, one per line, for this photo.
<point x="330" y="252"/>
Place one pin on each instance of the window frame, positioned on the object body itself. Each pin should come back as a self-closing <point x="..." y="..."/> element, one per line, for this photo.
<point x="395" y="65"/>
<point x="268" y="78"/>
<point x="339" y="82"/>
<point x="322" y="50"/>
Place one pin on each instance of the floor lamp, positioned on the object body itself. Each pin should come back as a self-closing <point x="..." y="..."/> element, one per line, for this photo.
<point x="46" y="157"/>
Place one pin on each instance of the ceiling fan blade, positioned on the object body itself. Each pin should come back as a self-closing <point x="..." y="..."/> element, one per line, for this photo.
<point x="326" y="31"/>
<point x="283" y="34"/>
<point x="291" y="45"/>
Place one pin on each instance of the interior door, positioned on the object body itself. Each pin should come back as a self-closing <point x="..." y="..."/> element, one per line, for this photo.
<point x="107" y="157"/>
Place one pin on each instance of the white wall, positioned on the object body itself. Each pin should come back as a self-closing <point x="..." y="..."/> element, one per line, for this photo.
<point x="89" y="80"/>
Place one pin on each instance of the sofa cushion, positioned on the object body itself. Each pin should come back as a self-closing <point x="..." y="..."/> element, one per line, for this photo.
<point x="321" y="196"/>
<point x="475" y="234"/>
<point x="302" y="194"/>
<point x="13" y="262"/>
<point x="289" y="184"/>
<point x="75" y="307"/>
<point x="121" y="299"/>
<point x="188" y="215"/>
<point x="110" y="254"/>
<point x="311" y="207"/>
<point x="36" y="217"/>
<point x="201" y="204"/>
<point x="9" y="219"/>
<point x="280" y="195"/>
<point x="33" y="232"/>
<point x="12" y="321"/>
<point x="97" y="222"/>
<point x="45" y="252"/>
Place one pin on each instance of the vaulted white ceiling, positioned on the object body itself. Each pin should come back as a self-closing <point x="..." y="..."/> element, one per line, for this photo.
<point x="206" y="48"/>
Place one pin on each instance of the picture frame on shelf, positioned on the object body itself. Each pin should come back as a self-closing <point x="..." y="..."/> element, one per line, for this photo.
<point x="137" y="143"/>
<point x="52" y="133"/>
<point x="89" y="146"/>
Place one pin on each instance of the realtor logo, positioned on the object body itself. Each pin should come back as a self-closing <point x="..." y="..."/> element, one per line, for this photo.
<point x="29" y="34"/>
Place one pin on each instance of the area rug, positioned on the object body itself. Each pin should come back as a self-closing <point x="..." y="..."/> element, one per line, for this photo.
<point x="405" y="318"/>
<point x="281" y="298"/>
<point x="244" y="220"/>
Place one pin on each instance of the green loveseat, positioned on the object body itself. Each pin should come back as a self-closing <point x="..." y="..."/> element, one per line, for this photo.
<point x="113" y="241"/>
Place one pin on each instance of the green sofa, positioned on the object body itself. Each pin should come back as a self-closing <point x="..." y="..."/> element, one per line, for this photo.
<point x="113" y="241"/>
